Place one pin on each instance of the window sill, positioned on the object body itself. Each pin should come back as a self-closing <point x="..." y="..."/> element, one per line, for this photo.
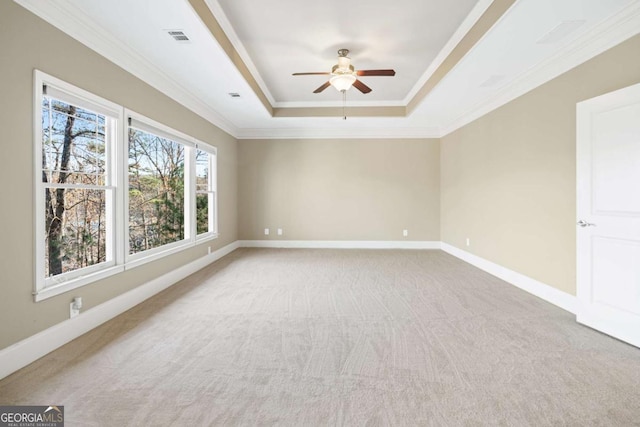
<point x="155" y="254"/>
<point x="206" y="237"/>
<point x="68" y="285"/>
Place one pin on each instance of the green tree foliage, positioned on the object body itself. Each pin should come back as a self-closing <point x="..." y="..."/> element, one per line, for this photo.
<point x="202" y="188"/>
<point x="156" y="191"/>
<point x="202" y="213"/>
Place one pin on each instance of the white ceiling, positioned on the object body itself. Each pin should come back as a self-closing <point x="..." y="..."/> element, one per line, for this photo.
<point x="276" y="39"/>
<point x="300" y="36"/>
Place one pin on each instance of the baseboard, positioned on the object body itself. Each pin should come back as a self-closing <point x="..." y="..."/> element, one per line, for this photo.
<point x="541" y="290"/>
<point x="341" y="244"/>
<point x="30" y="349"/>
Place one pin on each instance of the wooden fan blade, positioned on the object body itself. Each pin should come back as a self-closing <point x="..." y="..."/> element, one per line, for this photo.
<point x="323" y="87"/>
<point x="319" y="73"/>
<point x="361" y="86"/>
<point x="376" y="72"/>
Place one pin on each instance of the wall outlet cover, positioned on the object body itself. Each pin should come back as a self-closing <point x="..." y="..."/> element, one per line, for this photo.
<point x="73" y="311"/>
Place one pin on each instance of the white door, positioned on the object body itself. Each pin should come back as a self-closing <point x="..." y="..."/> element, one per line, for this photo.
<point x="608" y="208"/>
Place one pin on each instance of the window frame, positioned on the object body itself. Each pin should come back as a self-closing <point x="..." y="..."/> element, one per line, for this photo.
<point x="45" y="287"/>
<point x="212" y="191"/>
<point x="143" y="123"/>
<point x="116" y="187"/>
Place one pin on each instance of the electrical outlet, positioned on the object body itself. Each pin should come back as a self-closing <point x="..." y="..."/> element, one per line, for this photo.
<point x="266" y="231"/>
<point x="74" y="307"/>
<point x="468" y="242"/>
<point x="209" y="250"/>
<point x="405" y="233"/>
<point x="279" y="231"/>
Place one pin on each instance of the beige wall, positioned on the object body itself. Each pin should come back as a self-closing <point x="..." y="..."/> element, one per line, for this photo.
<point x="26" y="42"/>
<point x="508" y="179"/>
<point x="339" y="189"/>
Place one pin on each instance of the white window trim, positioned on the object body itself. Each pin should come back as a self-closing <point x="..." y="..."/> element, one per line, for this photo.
<point x="46" y="287"/>
<point x="117" y="188"/>
<point x="78" y="282"/>
<point x="145" y="124"/>
<point x="213" y="184"/>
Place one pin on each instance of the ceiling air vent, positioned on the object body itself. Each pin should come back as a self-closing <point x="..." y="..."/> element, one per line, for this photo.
<point x="234" y="94"/>
<point x="178" y="35"/>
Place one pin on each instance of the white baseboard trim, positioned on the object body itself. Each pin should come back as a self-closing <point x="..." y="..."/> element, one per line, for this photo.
<point x="541" y="290"/>
<point x="30" y="349"/>
<point x="341" y="244"/>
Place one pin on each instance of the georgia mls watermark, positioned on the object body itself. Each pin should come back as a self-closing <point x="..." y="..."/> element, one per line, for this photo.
<point x="32" y="416"/>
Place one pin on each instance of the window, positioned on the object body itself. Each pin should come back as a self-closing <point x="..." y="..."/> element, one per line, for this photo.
<point x="110" y="197"/>
<point x="76" y="186"/>
<point x="156" y="191"/>
<point x="206" y="202"/>
<point x="171" y="189"/>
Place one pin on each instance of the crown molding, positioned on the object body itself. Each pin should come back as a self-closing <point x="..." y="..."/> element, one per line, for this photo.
<point x="336" y="133"/>
<point x="333" y="104"/>
<point x="604" y="36"/>
<point x="350" y="111"/>
<point x="491" y="16"/>
<point x="614" y="30"/>
<point x="76" y="24"/>
<point x="468" y="23"/>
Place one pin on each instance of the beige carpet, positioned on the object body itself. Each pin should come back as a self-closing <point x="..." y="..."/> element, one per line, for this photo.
<point x="338" y="337"/>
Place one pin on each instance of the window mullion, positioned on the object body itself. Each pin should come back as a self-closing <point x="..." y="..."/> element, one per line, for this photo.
<point x="213" y="225"/>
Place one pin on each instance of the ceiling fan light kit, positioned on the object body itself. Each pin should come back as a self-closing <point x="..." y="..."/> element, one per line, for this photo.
<point x="342" y="82"/>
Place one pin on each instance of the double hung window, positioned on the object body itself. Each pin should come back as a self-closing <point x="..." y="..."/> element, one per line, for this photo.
<point x="76" y="184"/>
<point x="111" y="196"/>
<point x="206" y="198"/>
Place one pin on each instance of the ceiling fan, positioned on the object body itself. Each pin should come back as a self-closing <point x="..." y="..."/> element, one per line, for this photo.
<point x="343" y="75"/>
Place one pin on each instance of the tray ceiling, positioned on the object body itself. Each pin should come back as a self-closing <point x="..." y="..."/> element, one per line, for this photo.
<point x="454" y="60"/>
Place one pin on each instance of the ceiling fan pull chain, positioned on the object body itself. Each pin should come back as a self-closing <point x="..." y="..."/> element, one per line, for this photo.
<point x="344" y="102"/>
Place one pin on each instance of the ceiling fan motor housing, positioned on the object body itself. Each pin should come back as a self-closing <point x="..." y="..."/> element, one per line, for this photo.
<point x="344" y="64"/>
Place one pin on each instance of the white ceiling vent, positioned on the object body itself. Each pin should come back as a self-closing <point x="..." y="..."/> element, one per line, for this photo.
<point x="560" y="31"/>
<point x="178" y="35"/>
<point x="234" y="94"/>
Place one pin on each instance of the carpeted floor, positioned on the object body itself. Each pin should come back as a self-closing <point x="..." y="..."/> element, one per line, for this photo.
<point x="338" y="337"/>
